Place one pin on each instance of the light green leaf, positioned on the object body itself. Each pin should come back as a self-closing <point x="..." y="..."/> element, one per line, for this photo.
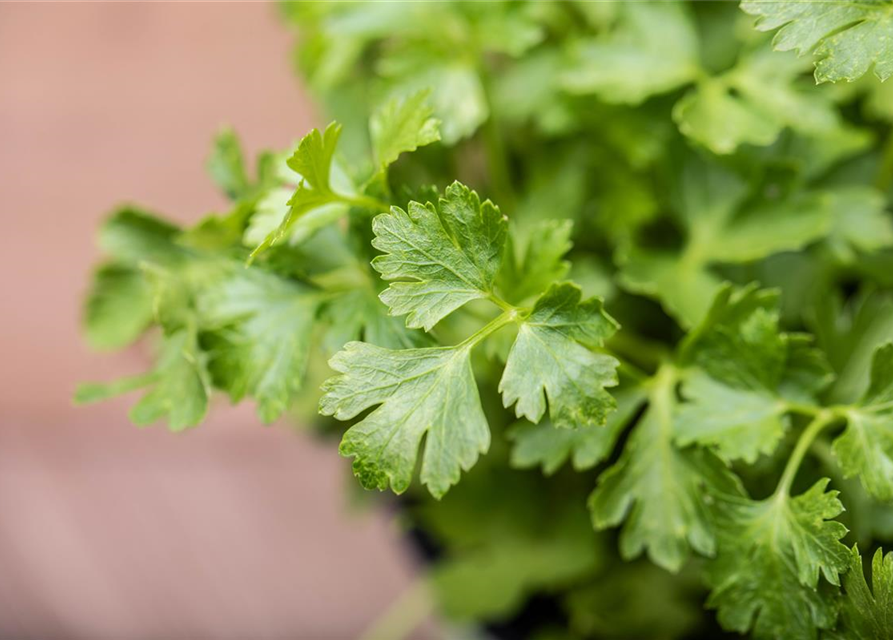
<point x="273" y="209"/>
<point x="719" y="230"/>
<point x="683" y="287"/>
<point x="752" y="103"/>
<point x="451" y="254"/>
<point x="544" y="445"/>
<point x="847" y="37"/>
<point x="866" y="446"/>
<point x="534" y="259"/>
<point x="226" y="165"/>
<point x="746" y="369"/>
<point x="660" y="491"/>
<point x="740" y="423"/>
<point x="552" y="358"/>
<point x="629" y="64"/>
<point x="118" y="308"/>
<point x="865" y="613"/>
<point x="400" y="126"/>
<point x="181" y="385"/>
<point x="360" y="315"/>
<point x="457" y="94"/>
<point x="132" y="236"/>
<point x="262" y="328"/>
<point x="859" y="220"/>
<point x="419" y="391"/>
<point x="312" y="161"/>
<point x="766" y="572"/>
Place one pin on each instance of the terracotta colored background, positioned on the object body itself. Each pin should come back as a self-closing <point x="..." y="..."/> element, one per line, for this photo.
<point x="231" y="530"/>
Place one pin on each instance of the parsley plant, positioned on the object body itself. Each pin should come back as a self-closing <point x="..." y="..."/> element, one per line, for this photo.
<point x="605" y="286"/>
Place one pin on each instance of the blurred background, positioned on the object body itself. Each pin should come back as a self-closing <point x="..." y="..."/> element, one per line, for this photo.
<point x="231" y="530"/>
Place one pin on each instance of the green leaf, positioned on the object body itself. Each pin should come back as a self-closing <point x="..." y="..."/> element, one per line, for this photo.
<point x="745" y="371"/>
<point x="273" y="209"/>
<point x="400" y="126"/>
<point x="132" y="236"/>
<point x="866" y="446"/>
<point x="739" y="423"/>
<point x="419" y="391"/>
<point x="628" y="65"/>
<point x="752" y="103"/>
<point x="766" y="572"/>
<point x="312" y="161"/>
<point x="227" y="166"/>
<point x="457" y="95"/>
<point x="847" y="37"/>
<point x="552" y="358"/>
<point x="660" y="491"/>
<point x="262" y="327"/>
<point x="860" y="220"/>
<point x="181" y="385"/>
<point x="451" y="255"/>
<point x="359" y="315"/>
<point x="534" y="259"/>
<point x="544" y="445"/>
<point x="719" y="230"/>
<point x="118" y="308"/>
<point x="865" y="612"/>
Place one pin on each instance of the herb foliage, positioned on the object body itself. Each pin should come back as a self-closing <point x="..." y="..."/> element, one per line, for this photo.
<point x="672" y="295"/>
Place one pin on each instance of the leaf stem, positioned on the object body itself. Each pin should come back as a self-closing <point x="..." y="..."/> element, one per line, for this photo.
<point x="821" y="420"/>
<point x="494" y="325"/>
<point x="502" y="304"/>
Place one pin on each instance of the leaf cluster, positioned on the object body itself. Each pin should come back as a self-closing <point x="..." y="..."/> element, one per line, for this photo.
<point x="603" y="287"/>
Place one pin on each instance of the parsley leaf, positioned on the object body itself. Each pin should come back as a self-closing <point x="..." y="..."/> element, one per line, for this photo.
<point x="401" y="126"/>
<point x="180" y="384"/>
<point x="226" y="165"/>
<point x="451" y="254"/>
<point x="629" y="64"/>
<point x="262" y="331"/>
<point x="746" y="370"/>
<point x="866" y="446"/>
<point x="719" y="230"/>
<point x="865" y="612"/>
<point x="118" y="308"/>
<point x="419" y="391"/>
<point x="751" y="104"/>
<point x="542" y="444"/>
<point x="552" y="357"/>
<point x="312" y="162"/>
<point x="770" y="554"/>
<point x="534" y="259"/>
<point x="848" y="38"/>
<point x="659" y="489"/>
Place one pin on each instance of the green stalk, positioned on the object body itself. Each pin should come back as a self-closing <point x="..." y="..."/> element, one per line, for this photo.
<point x="491" y="327"/>
<point x="821" y="420"/>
